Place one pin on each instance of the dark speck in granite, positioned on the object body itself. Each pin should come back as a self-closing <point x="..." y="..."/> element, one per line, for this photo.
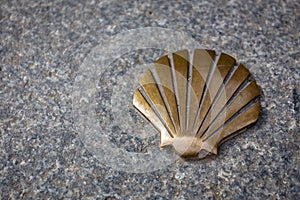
<point x="42" y="46"/>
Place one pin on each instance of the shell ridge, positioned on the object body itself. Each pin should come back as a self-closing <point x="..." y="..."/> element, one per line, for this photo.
<point x="164" y="74"/>
<point x="162" y="94"/>
<point x="242" y="87"/>
<point x="175" y="88"/>
<point x="218" y="94"/>
<point x="221" y="110"/>
<point x="144" y="111"/>
<point x="206" y="85"/>
<point x="147" y="98"/>
<point x="180" y="59"/>
<point x="202" y="61"/>
<point x="224" y="65"/>
<point x="237" y="114"/>
<point x="243" y="124"/>
<point x="150" y="87"/>
<point x="188" y="89"/>
<point x="238" y="111"/>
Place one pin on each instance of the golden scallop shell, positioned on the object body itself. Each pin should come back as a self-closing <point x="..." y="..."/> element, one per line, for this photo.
<point x="197" y="100"/>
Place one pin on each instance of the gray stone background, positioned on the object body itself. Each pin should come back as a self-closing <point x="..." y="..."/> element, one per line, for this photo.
<point x="41" y="48"/>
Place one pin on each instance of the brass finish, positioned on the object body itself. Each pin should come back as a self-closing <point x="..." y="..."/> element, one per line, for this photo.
<point x="197" y="105"/>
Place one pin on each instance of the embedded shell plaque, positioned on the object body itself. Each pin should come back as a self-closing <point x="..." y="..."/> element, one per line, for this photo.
<point x="197" y="100"/>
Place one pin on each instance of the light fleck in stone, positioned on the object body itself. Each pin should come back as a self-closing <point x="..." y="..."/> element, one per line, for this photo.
<point x="179" y="176"/>
<point x="271" y="105"/>
<point x="161" y="22"/>
<point x="223" y="175"/>
<point x="292" y="124"/>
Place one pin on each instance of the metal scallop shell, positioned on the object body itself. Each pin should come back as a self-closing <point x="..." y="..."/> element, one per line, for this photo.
<point x="197" y="100"/>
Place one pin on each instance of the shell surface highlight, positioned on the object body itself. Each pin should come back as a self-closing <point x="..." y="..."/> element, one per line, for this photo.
<point x="197" y="100"/>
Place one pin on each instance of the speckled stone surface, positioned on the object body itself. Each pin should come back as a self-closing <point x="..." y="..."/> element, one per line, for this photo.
<point x="42" y="46"/>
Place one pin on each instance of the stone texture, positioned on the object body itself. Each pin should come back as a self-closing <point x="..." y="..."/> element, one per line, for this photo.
<point x="41" y="48"/>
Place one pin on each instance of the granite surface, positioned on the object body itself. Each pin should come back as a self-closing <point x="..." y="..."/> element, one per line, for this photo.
<point x="42" y="48"/>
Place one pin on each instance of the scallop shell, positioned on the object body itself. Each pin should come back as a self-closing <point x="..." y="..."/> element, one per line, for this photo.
<point x="197" y="100"/>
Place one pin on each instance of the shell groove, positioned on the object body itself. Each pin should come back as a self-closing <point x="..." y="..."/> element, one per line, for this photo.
<point x="197" y="100"/>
